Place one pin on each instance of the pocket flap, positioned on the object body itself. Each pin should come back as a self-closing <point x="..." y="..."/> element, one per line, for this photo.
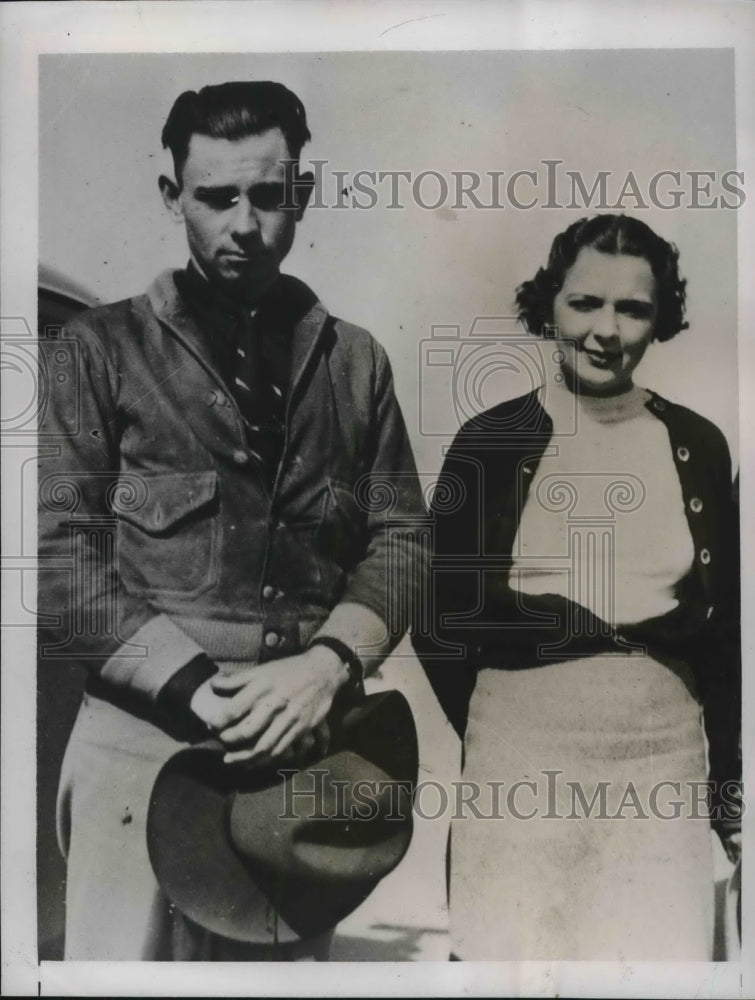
<point x="170" y="497"/>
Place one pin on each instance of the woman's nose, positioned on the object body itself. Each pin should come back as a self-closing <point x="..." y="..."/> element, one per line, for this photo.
<point x="605" y="322"/>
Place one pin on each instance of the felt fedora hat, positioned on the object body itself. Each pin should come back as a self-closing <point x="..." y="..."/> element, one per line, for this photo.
<point x="286" y="852"/>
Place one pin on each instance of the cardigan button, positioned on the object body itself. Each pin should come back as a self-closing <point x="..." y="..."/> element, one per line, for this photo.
<point x="695" y="505"/>
<point x="705" y="556"/>
<point x="683" y="453"/>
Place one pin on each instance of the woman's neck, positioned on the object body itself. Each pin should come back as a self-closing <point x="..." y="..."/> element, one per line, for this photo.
<point x="560" y="402"/>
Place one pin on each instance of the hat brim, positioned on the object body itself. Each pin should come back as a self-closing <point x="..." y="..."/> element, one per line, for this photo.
<point x="268" y="894"/>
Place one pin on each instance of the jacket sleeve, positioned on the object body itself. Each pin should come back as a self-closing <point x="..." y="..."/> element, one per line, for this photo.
<point x="454" y="585"/>
<point x="720" y="660"/>
<point x="387" y="579"/>
<point x="85" y="614"/>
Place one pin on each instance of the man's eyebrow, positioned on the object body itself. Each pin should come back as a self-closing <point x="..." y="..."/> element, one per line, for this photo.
<point x="216" y="189"/>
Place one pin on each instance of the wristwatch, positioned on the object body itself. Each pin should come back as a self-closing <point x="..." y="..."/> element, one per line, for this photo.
<point x="348" y="657"/>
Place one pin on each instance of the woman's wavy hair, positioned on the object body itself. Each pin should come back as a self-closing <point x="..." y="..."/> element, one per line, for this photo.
<point x="613" y="234"/>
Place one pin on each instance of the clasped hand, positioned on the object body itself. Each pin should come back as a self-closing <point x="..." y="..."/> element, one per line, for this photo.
<point x="274" y="710"/>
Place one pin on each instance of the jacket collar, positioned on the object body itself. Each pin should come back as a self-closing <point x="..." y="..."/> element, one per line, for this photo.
<point x="297" y="299"/>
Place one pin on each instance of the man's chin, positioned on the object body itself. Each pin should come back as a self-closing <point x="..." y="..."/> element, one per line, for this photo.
<point x="244" y="275"/>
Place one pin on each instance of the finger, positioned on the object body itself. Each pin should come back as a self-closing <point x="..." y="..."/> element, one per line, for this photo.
<point x="236" y="756"/>
<point x="231" y="682"/>
<point x="249" y="723"/>
<point x="279" y="735"/>
<point x="285" y="739"/>
<point x="291" y="755"/>
<point x="259" y="703"/>
<point x="321" y="736"/>
<point x="303" y="745"/>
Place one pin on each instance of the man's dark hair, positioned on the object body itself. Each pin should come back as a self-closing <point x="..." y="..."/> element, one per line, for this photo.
<point x="234" y="111"/>
<point x="613" y="234"/>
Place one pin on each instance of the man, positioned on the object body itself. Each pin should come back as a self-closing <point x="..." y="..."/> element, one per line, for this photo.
<point x="228" y="426"/>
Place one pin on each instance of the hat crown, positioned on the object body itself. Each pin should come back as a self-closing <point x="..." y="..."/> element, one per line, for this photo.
<point x="341" y="820"/>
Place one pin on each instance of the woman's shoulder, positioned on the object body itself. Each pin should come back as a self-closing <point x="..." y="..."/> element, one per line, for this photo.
<point x="700" y="429"/>
<point x="521" y="415"/>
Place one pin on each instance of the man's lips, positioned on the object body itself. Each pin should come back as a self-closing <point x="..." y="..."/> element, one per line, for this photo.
<point x="239" y="257"/>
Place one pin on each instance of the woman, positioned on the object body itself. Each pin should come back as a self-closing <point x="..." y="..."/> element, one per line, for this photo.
<point x="585" y="581"/>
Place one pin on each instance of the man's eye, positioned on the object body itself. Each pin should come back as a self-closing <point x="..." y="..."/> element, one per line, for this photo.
<point x="269" y="197"/>
<point x="220" y="202"/>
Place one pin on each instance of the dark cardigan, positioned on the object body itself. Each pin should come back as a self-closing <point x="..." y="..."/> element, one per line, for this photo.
<point x="478" y="621"/>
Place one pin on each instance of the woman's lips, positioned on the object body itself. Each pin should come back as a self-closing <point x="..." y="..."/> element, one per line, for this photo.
<point x="602" y="359"/>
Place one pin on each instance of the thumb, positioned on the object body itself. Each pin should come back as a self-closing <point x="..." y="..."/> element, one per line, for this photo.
<point x="224" y="683"/>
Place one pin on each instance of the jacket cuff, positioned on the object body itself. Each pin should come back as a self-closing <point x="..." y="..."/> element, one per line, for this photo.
<point x="361" y="629"/>
<point x="173" y="713"/>
<point x="147" y="661"/>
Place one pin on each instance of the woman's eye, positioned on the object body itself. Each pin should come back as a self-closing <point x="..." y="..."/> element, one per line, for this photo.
<point x="636" y="310"/>
<point x="582" y="305"/>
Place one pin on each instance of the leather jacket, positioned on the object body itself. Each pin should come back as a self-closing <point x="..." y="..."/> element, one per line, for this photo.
<point x="160" y="539"/>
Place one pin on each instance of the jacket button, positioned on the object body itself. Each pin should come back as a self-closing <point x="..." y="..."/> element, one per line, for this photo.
<point x="212" y="398"/>
<point x="704" y="556"/>
<point x="709" y="612"/>
<point x="240" y="457"/>
<point x="696" y="505"/>
<point x="659" y="405"/>
<point x="683" y="453"/>
<point x="268" y="592"/>
<point x="272" y="639"/>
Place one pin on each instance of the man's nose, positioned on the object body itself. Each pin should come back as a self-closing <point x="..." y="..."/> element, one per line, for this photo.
<point x="245" y="221"/>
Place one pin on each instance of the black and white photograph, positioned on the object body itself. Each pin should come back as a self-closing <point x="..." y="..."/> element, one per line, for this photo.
<point x="377" y="461"/>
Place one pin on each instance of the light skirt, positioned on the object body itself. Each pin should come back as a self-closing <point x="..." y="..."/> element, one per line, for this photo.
<point x="557" y="874"/>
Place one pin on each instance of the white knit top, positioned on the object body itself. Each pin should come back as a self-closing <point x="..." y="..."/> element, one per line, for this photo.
<point x="604" y="522"/>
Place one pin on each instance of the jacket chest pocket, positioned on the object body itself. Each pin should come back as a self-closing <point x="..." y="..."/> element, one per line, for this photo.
<point x="169" y="541"/>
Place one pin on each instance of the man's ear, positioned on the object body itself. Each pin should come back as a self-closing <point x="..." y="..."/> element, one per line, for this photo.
<point x="305" y="185"/>
<point x="171" y="193"/>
